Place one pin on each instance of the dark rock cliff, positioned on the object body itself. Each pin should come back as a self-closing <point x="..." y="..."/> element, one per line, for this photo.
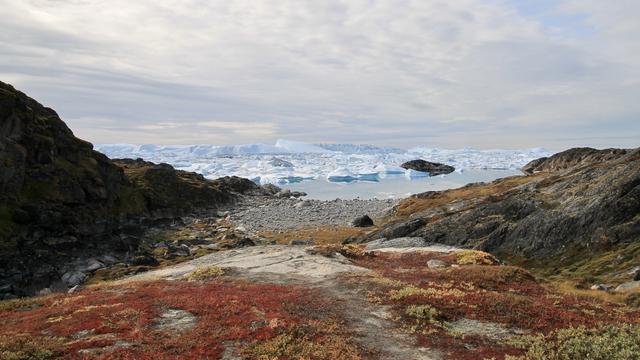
<point x="60" y="199"/>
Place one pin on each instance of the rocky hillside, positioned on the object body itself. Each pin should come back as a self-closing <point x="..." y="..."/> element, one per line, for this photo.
<point x="60" y="199"/>
<point x="575" y="204"/>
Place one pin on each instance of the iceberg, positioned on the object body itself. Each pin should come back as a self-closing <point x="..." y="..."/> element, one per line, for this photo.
<point x="289" y="146"/>
<point x="389" y="169"/>
<point x="410" y="173"/>
<point x="342" y="175"/>
<point x="289" y="161"/>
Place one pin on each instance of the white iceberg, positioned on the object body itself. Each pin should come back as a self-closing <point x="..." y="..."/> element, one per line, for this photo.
<point x="342" y="175"/>
<point x="410" y="173"/>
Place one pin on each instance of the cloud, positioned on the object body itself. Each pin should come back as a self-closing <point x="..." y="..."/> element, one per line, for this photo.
<point x="413" y="72"/>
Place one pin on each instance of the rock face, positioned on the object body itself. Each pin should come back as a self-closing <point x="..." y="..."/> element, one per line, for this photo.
<point x="586" y="200"/>
<point x="60" y="199"/>
<point x="572" y="158"/>
<point x="426" y="166"/>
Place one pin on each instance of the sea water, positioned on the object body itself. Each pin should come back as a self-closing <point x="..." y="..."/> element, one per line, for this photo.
<point x="394" y="186"/>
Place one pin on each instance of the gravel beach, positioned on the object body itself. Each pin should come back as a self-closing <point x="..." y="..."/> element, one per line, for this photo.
<point x="260" y="214"/>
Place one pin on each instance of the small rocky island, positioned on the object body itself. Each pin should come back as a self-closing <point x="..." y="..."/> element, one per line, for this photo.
<point x="124" y="258"/>
<point x="428" y="167"/>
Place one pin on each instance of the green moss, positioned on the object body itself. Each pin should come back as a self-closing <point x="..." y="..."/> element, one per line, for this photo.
<point x="71" y="169"/>
<point x="7" y="226"/>
<point x="41" y="191"/>
<point x="129" y="202"/>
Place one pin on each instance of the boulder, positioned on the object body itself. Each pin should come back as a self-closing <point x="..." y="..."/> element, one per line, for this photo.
<point x="300" y="242"/>
<point x="628" y="286"/>
<point x="92" y="265"/>
<point x="600" y="287"/>
<point x="270" y="189"/>
<point x="436" y="264"/>
<point x="429" y="167"/>
<point x="73" y="278"/>
<point x="403" y="242"/>
<point x="362" y="221"/>
<point x="144" y="260"/>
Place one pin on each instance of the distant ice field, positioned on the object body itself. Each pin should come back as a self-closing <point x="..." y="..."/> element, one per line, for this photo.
<point x="328" y="171"/>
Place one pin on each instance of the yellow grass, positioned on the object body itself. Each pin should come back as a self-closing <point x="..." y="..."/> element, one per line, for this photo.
<point x="324" y="235"/>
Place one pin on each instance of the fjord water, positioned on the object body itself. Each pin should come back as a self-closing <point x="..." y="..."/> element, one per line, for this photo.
<point x="394" y="186"/>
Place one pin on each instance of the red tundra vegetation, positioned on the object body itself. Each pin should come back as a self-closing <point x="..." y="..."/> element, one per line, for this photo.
<point x="472" y="310"/>
<point x="257" y="320"/>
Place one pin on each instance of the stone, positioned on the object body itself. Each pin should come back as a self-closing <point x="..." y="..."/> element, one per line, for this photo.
<point x="403" y="242"/>
<point x="628" y="286"/>
<point x="284" y="193"/>
<point x="175" y="320"/>
<point x="92" y="265"/>
<point x="43" y="292"/>
<point x="303" y="203"/>
<point x="244" y="242"/>
<point x="436" y="264"/>
<point x="6" y="288"/>
<point x="600" y="287"/>
<point x="73" y="278"/>
<point x="299" y="242"/>
<point x="144" y="260"/>
<point x="362" y="221"/>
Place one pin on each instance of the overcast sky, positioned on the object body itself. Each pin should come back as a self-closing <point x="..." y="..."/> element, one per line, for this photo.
<point x="450" y="73"/>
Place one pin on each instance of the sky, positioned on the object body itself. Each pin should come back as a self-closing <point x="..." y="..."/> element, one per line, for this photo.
<point x="450" y="73"/>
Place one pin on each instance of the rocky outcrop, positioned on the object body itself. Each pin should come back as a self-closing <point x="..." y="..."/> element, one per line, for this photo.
<point x="429" y="167"/>
<point x="362" y="221"/>
<point x="160" y="190"/>
<point x="572" y="158"/>
<point x="587" y="200"/>
<point x="61" y="200"/>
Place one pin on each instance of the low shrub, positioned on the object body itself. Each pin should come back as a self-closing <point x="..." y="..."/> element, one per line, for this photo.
<point x="474" y="257"/>
<point x="601" y="343"/>
<point x="26" y="347"/>
<point x="206" y="273"/>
